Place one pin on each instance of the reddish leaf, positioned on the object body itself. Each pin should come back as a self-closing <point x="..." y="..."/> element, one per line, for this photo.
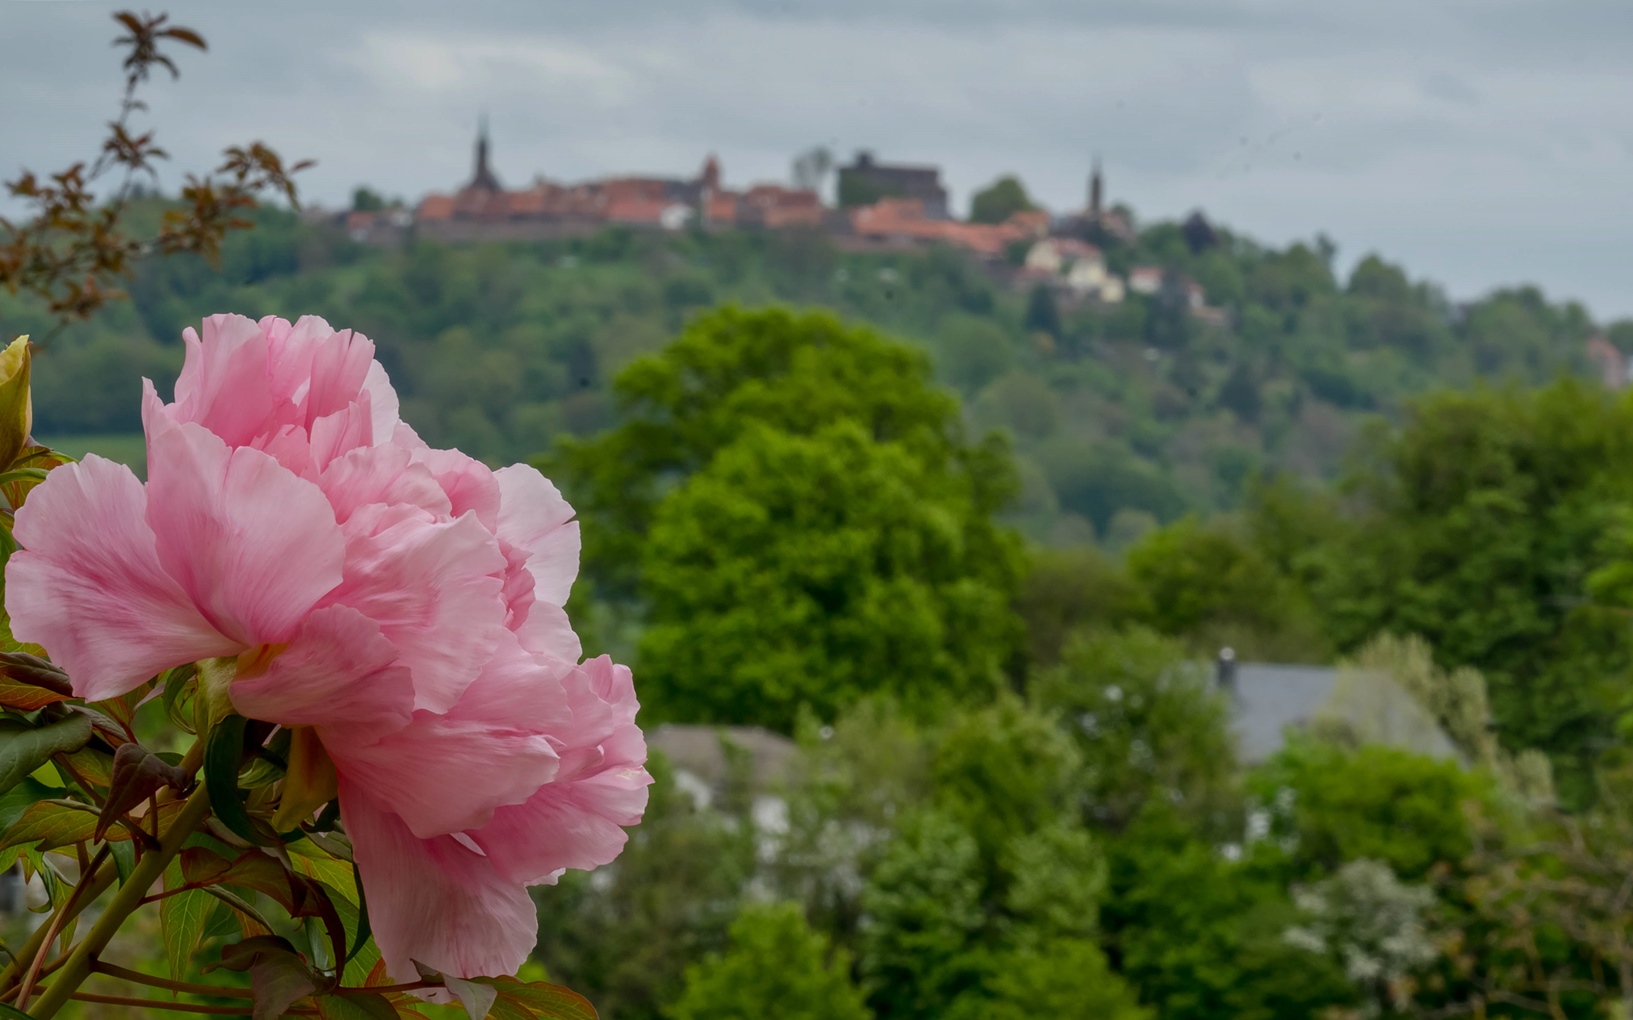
<point x="23" y="668"/>
<point x="537" y="1001"/>
<point x="26" y="697"/>
<point x="137" y="775"/>
<point x="377" y="976"/>
<point x="279" y="976"/>
<point x="53" y="824"/>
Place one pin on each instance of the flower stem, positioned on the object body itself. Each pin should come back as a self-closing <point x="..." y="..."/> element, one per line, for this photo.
<point x="178" y="1007"/>
<point x="137" y="977"/>
<point x="90" y="887"/>
<point x="125" y="901"/>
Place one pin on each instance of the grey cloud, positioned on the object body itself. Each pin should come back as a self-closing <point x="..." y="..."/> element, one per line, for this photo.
<point x="1428" y="131"/>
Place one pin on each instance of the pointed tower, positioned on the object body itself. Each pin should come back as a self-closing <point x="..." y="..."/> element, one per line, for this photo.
<point x="483" y="179"/>
<point x="1095" y="192"/>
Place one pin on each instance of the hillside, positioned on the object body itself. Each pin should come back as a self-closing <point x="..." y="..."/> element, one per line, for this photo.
<point x="1119" y="413"/>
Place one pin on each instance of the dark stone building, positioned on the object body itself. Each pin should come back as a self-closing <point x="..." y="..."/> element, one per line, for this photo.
<point x="865" y="182"/>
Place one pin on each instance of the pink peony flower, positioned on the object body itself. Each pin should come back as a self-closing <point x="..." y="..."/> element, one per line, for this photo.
<point x="403" y="602"/>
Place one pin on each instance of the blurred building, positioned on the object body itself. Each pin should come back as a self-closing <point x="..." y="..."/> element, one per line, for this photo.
<point x="1269" y="701"/>
<point x="905" y="223"/>
<point x="866" y="182"/>
<point x="1075" y="267"/>
<point x="1615" y="368"/>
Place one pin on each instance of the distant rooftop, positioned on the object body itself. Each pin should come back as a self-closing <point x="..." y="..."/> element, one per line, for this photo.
<point x="1269" y="700"/>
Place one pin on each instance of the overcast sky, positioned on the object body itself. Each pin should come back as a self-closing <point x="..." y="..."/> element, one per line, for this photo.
<point x="1479" y="143"/>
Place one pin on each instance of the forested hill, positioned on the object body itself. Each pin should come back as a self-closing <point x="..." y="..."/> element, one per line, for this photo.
<point x="1117" y="412"/>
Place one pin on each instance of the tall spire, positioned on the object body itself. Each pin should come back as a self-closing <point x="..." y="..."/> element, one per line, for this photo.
<point x="1095" y="192"/>
<point x="483" y="179"/>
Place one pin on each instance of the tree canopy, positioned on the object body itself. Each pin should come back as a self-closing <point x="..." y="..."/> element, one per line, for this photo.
<point x="795" y="504"/>
<point x="999" y="200"/>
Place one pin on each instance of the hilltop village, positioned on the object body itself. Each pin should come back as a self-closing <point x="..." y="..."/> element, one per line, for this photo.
<point x="881" y="207"/>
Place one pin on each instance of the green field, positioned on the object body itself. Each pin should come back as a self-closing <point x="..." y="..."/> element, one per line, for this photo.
<point x="124" y="447"/>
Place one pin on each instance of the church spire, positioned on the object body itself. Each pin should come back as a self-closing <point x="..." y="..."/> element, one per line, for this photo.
<point x="483" y="179"/>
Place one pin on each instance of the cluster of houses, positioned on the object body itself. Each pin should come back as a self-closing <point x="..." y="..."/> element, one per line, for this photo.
<point x="881" y="207"/>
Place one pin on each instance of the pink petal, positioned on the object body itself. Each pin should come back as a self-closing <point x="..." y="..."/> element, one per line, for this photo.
<point x="470" y="485"/>
<point x="382" y="401"/>
<point x="533" y="516"/>
<point x="545" y="630"/>
<point x="338" y="668"/>
<point x="519" y="585"/>
<point x="254" y="546"/>
<point x="223" y="381"/>
<point x="434" y="588"/>
<point x="447" y="772"/>
<point x="338" y="367"/>
<point x="578" y="820"/>
<point x="88" y="585"/>
<point x="435" y="901"/>
<point x="345" y="430"/>
<point x="381" y="474"/>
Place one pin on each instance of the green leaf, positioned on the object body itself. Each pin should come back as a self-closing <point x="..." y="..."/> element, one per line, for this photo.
<point x="363" y="953"/>
<point x="51" y="824"/>
<point x="123" y="852"/>
<point x="223" y="754"/>
<point x="536" y="1001"/>
<point x="364" y="929"/>
<point x="25" y="748"/>
<point x="183" y="918"/>
<point x="10" y="1012"/>
<point x="356" y="1006"/>
<point x="178" y="682"/>
<point x="310" y="860"/>
<point x="91" y="765"/>
<point x="17" y="800"/>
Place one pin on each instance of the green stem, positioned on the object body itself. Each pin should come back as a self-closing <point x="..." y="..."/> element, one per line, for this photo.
<point x="89" y="889"/>
<point x="91" y="886"/>
<point x="137" y="977"/>
<point x="124" y="903"/>
<point x="175" y="1007"/>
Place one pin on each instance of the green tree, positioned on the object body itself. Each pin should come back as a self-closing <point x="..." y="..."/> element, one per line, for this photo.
<point x="1209" y="584"/>
<point x="1331" y="804"/>
<point x="1004" y="771"/>
<point x="1482" y="519"/>
<point x="808" y="570"/>
<point x="1202" y="937"/>
<point x="628" y="936"/>
<point x="920" y="946"/>
<point x="1042" y="314"/>
<point x="999" y="200"/>
<point x="1068" y="979"/>
<point x="1067" y="590"/>
<point x="1148" y="724"/>
<point x="366" y="199"/>
<point x="731" y="369"/>
<point x="776" y="966"/>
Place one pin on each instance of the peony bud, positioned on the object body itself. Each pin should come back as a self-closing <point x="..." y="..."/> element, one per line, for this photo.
<point x="16" y="403"/>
